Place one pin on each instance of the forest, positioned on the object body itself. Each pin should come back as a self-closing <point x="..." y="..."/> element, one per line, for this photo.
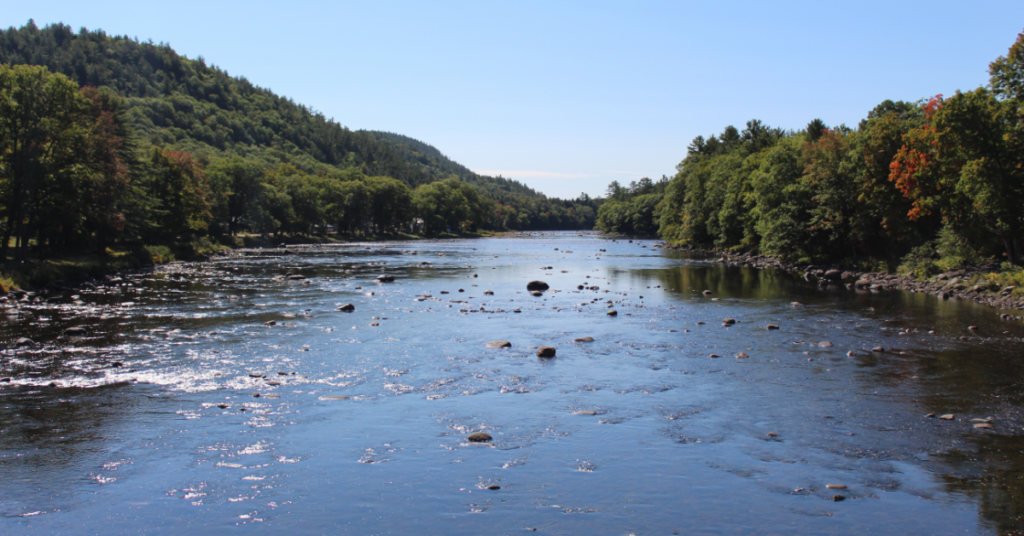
<point x="920" y="187"/>
<point x="108" y="142"/>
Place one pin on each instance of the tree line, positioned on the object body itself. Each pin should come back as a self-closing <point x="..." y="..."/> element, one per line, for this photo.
<point x="110" y="140"/>
<point x="932" y="184"/>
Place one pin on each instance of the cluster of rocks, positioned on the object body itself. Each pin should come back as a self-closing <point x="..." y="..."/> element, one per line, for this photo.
<point x="955" y="284"/>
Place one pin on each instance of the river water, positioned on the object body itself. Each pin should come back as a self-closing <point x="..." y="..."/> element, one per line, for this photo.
<point x="151" y="423"/>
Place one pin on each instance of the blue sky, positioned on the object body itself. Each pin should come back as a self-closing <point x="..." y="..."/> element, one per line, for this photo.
<point x="568" y="96"/>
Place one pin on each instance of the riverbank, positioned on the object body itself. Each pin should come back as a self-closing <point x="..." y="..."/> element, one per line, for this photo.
<point x="981" y="283"/>
<point x="74" y="270"/>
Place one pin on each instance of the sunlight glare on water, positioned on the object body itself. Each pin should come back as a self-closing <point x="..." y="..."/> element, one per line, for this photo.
<point x="184" y="409"/>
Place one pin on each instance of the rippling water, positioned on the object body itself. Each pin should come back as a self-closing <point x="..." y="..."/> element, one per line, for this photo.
<point x="182" y="411"/>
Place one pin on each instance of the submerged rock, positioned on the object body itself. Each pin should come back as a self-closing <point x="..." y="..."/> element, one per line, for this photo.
<point x="479" y="437"/>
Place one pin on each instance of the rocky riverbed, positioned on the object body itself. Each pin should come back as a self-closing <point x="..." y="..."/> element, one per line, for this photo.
<point x="470" y="386"/>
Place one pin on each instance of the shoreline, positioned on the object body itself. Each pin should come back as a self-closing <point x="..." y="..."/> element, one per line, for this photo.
<point x="949" y="285"/>
<point x="59" y="274"/>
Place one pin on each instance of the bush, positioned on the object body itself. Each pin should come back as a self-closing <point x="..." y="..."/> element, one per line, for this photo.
<point x="155" y="254"/>
<point x="954" y="250"/>
<point x="922" y="262"/>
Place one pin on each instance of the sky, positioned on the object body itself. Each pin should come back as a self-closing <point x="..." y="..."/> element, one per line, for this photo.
<point x="569" y="96"/>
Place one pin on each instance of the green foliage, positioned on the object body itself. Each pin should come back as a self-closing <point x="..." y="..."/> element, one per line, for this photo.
<point x="938" y="184"/>
<point x="186" y="106"/>
<point x="106" y="140"/>
<point x="156" y="254"/>
<point x="632" y="210"/>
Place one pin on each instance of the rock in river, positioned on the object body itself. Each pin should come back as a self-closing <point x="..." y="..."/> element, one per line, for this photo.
<point x="23" y="342"/>
<point x="825" y="344"/>
<point x="613" y="312"/>
<point x="347" y="308"/>
<point x="546" y="351"/>
<point x="76" y="332"/>
<point x="537" y="285"/>
<point x="479" y="437"/>
<point x="536" y="293"/>
<point x="385" y="278"/>
<point x="583" y="339"/>
<point x="499" y="344"/>
<point x="772" y="326"/>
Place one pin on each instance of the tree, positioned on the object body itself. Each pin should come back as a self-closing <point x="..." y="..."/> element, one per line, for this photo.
<point x="962" y="165"/>
<point x="815" y="129"/>
<point x="239" y="192"/>
<point x="834" y="178"/>
<point x="178" y="184"/>
<point x="60" y="154"/>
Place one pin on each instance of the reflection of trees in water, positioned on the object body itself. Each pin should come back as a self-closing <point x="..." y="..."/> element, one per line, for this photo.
<point x="722" y="280"/>
<point x="993" y="475"/>
<point x="45" y="431"/>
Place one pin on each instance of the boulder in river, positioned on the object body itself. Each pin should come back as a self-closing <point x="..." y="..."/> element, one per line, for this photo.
<point x="546" y="351"/>
<point x="270" y="323"/>
<point x="583" y="339"/>
<point x="834" y="275"/>
<point x="728" y="321"/>
<point x="76" y="332"/>
<point x="537" y="285"/>
<point x="825" y="344"/>
<point x="385" y="278"/>
<point x="347" y="308"/>
<point x="479" y="437"/>
<point x="499" y="344"/>
<point x="536" y="293"/>
<point x="23" y="342"/>
<point x="613" y="312"/>
<point x="772" y="326"/>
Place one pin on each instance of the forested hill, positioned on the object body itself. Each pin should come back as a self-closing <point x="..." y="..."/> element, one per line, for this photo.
<point x="439" y="166"/>
<point x="108" y="143"/>
<point x="186" y="105"/>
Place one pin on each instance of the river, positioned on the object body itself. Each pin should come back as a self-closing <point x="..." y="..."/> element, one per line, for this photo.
<point x="180" y="411"/>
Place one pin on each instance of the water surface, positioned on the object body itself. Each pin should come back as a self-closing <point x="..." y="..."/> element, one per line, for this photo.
<point x="151" y="424"/>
